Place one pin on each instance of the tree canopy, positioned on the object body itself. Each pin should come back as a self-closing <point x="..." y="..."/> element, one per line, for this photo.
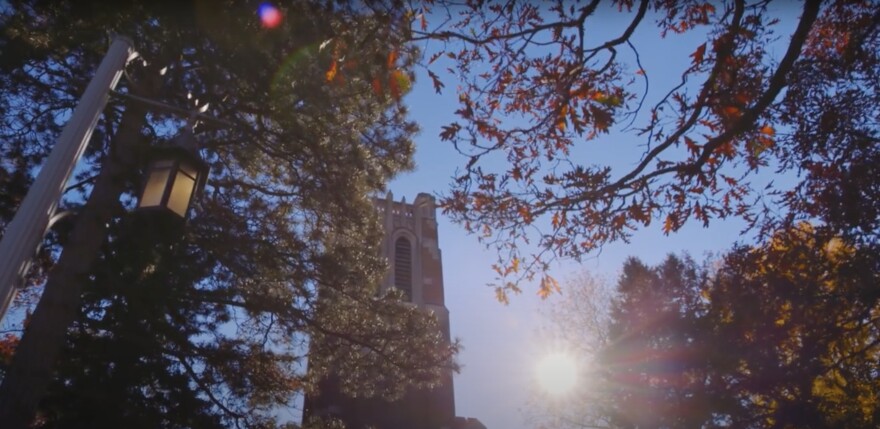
<point x="770" y="87"/>
<point x="211" y="329"/>
<point x="772" y="336"/>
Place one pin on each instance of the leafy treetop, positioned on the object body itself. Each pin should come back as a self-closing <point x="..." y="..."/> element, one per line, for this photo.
<point x="536" y="85"/>
<point x="783" y="334"/>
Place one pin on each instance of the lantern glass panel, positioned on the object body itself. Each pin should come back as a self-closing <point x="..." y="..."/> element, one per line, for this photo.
<point x="155" y="188"/>
<point x="181" y="192"/>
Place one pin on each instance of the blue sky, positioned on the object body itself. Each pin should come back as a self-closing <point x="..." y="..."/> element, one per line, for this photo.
<point x="503" y="343"/>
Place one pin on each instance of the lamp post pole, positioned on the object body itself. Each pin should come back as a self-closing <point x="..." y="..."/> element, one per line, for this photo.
<point x="27" y="228"/>
<point x="31" y="370"/>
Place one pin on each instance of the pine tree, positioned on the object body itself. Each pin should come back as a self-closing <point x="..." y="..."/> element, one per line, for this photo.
<point x="778" y="335"/>
<point x="210" y="328"/>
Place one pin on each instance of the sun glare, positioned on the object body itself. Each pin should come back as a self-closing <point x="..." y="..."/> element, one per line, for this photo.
<point x="557" y="373"/>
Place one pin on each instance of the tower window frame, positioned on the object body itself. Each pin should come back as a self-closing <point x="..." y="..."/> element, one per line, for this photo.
<point x="403" y="266"/>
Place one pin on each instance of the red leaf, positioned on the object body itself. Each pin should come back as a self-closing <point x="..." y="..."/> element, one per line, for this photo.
<point x="525" y="214"/>
<point x="438" y="85"/>
<point x="692" y="146"/>
<point x="434" y="58"/>
<point x="698" y="54"/>
<point x="377" y="87"/>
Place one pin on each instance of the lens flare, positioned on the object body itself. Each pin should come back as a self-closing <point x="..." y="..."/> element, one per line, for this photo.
<point x="289" y="69"/>
<point x="270" y="16"/>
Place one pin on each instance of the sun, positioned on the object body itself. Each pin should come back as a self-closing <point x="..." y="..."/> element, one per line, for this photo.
<point x="557" y="373"/>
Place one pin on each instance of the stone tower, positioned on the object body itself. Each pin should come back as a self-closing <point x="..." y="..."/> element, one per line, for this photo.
<point x="412" y="248"/>
<point x="411" y="245"/>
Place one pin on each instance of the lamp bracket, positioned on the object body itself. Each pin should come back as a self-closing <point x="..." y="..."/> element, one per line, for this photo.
<point x="197" y="114"/>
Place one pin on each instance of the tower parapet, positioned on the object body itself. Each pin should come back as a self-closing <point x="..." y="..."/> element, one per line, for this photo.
<point x="411" y="244"/>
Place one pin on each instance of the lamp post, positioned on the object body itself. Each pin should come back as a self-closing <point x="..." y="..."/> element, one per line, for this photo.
<point x="175" y="177"/>
<point x="28" y="227"/>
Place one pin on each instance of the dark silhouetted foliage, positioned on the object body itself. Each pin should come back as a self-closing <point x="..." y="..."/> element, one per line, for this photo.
<point x="211" y="328"/>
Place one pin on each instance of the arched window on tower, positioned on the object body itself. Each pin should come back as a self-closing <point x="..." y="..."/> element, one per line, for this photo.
<point x="403" y="266"/>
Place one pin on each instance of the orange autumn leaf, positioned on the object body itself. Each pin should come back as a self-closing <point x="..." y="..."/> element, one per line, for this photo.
<point x="560" y="122"/>
<point x="669" y="225"/>
<point x="639" y="214"/>
<point x="331" y="73"/>
<point x="768" y="130"/>
<point x="548" y="286"/>
<point x="501" y="296"/>
<point x="392" y="57"/>
<point x="698" y="54"/>
<point x="525" y="214"/>
<point x="760" y="144"/>
<point x="732" y="112"/>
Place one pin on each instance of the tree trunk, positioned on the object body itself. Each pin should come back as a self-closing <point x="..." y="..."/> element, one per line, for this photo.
<point x="33" y="364"/>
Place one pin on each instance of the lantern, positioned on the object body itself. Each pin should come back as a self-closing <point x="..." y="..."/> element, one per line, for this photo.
<point x="174" y="177"/>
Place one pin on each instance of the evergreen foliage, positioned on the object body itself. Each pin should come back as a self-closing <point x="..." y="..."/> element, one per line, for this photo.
<point x="779" y="335"/>
<point x="211" y="328"/>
